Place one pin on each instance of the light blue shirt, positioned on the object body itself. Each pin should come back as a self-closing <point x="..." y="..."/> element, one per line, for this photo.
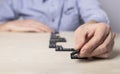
<point x="60" y="15"/>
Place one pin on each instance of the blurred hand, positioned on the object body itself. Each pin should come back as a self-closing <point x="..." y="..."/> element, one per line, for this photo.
<point x="24" y="26"/>
<point x="94" y="40"/>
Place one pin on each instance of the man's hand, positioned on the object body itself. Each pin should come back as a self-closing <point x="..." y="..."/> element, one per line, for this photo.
<point x="94" y="40"/>
<point x="24" y="26"/>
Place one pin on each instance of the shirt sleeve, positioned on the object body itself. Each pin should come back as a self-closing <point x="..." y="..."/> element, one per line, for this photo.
<point x="91" y="10"/>
<point x="7" y="12"/>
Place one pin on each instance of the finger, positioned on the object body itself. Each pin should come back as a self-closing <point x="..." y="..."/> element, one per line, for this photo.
<point x="80" y="38"/>
<point x="94" y="42"/>
<point x="106" y="46"/>
<point x="25" y="29"/>
<point x="90" y="34"/>
<point x="44" y="27"/>
<point x="37" y="28"/>
<point x="103" y="55"/>
<point x="40" y="27"/>
<point x="26" y="26"/>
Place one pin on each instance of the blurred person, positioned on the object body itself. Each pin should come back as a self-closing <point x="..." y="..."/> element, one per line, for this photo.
<point x="94" y="36"/>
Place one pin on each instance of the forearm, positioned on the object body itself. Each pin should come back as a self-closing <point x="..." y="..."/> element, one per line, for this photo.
<point x="91" y="22"/>
<point x="95" y="22"/>
<point x="91" y="10"/>
<point x="7" y="11"/>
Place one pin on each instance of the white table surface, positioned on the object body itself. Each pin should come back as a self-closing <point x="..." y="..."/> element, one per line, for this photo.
<point x="28" y="53"/>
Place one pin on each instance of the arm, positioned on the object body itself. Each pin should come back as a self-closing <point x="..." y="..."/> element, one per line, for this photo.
<point x="9" y="15"/>
<point x="94" y="38"/>
<point x="91" y="10"/>
<point x="7" y="11"/>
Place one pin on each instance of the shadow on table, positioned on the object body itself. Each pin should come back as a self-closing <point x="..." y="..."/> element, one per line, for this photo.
<point x="115" y="54"/>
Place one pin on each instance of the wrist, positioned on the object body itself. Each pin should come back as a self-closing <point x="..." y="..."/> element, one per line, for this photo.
<point x="92" y="22"/>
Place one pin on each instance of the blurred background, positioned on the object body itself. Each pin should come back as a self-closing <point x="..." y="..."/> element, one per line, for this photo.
<point x="112" y="8"/>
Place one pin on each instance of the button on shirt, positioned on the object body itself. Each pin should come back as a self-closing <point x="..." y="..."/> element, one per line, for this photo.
<point x="60" y="15"/>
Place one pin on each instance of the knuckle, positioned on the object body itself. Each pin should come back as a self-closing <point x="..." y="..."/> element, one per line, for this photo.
<point x="107" y="26"/>
<point x="104" y="48"/>
<point x="104" y="25"/>
<point x="98" y="40"/>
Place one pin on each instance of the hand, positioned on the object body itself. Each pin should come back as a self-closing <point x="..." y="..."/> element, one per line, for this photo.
<point x="25" y="26"/>
<point x="94" y="40"/>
